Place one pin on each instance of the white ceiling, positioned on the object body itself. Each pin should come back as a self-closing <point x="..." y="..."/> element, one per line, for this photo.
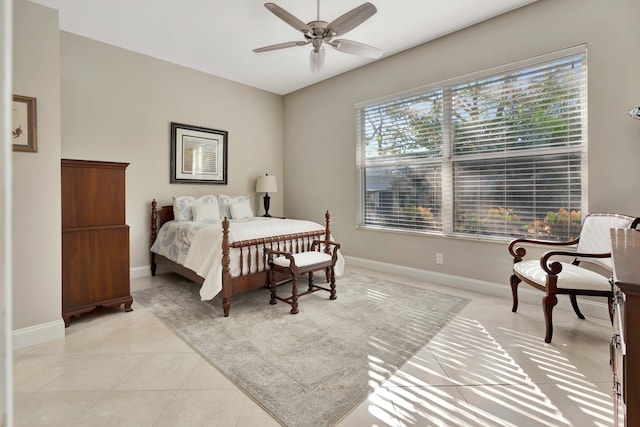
<point x="217" y="36"/>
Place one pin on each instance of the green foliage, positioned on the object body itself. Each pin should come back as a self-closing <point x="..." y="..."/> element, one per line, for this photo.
<point x="495" y="219"/>
<point x="560" y="225"/>
<point x="416" y="127"/>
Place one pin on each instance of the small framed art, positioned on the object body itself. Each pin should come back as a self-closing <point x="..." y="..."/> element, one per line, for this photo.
<point x="24" y="128"/>
<point x="198" y="155"/>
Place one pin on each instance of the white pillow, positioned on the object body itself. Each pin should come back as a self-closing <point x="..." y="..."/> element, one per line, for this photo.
<point x="205" y="208"/>
<point x="182" y="208"/>
<point x="241" y="209"/>
<point x="226" y="201"/>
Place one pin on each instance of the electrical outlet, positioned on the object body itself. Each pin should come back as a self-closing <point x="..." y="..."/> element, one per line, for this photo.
<point x="439" y="258"/>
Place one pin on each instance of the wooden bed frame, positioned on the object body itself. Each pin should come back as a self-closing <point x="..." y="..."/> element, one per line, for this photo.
<point x="249" y="254"/>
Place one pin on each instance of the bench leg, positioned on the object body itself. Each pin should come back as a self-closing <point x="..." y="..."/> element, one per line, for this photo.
<point x="272" y="286"/>
<point x="294" y="295"/>
<point x="311" y="280"/>
<point x="333" y="284"/>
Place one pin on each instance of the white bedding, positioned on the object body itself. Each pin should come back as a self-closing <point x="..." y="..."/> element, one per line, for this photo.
<point x="198" y="245"/>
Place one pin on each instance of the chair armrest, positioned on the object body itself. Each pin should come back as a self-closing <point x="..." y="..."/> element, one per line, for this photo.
<point x="519" y="252"/>
<point x="555" y="267"/>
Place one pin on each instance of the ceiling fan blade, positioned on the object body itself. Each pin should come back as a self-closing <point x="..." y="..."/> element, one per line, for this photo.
<point x="279" y="46"/>
<point x="287" y="17"/>
<point x="317" y="58"/>
<point x="356" y="48"/>
<point x="352" y="19"/>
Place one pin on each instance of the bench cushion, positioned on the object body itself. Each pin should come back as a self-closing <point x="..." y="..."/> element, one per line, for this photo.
<point x="303" y="259"/>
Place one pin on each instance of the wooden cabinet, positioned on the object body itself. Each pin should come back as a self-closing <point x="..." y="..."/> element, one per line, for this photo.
<point x="95" y="237"/>
<point x="625" y="344"/>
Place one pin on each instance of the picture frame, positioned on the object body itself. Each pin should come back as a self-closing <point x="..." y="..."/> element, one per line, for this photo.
<point x="198" y="155"/>
<point x="24" y="128"/>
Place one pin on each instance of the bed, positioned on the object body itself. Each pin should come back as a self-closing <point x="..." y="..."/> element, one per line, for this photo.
<point x="227" y="256"/>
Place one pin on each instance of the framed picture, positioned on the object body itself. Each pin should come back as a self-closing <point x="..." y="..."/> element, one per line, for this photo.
<point x="198" y="155"/>
<point x="24" y="129"/>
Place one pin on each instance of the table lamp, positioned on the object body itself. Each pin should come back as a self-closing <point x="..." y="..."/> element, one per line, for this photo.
<point x="266" y="184"/>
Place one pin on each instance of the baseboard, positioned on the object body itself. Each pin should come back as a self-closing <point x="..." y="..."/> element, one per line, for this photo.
<point x="145" y="270"/>
<point x="38" y="334"/>
<point x="588" y="307"/>
<point x="137" y="272"/>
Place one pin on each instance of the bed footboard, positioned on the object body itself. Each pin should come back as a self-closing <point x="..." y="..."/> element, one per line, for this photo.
<point x="253" y="260"/>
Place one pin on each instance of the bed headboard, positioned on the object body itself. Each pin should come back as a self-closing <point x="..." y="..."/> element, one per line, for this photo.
<point x="159" y="217"/>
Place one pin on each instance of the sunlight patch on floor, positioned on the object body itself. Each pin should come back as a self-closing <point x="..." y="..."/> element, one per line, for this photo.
<point x="464" y="376"/>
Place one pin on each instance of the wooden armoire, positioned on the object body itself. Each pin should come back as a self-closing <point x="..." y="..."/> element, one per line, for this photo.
<point x="95" y="237"/>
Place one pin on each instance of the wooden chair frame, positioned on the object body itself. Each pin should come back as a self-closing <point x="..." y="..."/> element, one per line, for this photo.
<point x="552" y="270"/>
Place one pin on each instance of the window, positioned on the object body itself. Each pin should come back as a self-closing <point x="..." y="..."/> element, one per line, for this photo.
<point x="500" y="154"/>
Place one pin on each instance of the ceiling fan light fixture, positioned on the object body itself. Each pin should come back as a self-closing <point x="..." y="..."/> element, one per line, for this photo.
<point x="317" y="58"/>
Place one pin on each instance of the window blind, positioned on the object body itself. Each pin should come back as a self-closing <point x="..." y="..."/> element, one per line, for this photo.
<point x="501" y="153"/>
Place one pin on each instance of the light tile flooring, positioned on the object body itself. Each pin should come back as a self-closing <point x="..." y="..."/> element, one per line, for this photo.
<point x="487" y="367"/>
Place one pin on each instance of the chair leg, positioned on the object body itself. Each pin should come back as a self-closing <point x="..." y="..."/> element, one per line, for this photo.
<point x="294" y="295"/>
<point x="272" y="286"/>
<point x="574" y="304"/>
<point x="548" y="302"/>
<point x="515" y="281"/>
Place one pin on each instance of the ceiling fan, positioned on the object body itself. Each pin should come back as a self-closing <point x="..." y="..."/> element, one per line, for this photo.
<point x="318" y="33"/>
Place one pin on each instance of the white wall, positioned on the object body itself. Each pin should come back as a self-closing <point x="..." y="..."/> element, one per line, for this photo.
<point x="320" y="124"/>
<point x="37" y="289"/>
<point x="118" y="105"/>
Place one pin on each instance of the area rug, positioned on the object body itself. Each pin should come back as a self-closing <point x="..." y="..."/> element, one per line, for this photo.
<point x="313" y="368"/>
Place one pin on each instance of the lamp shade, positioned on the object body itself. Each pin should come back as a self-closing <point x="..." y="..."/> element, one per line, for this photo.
<point x="266" y="184"/>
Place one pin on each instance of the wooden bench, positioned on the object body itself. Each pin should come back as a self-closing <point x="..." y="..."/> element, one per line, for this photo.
<point x="296" y="264"/>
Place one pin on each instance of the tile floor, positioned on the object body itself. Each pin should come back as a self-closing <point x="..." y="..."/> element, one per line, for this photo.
<point x="487" y="367"/>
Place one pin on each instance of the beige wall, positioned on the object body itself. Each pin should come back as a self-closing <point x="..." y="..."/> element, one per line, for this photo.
<point x="118" y="105"/>
<point x="320" y="124"/>
<point x="36" y="176"/>
<point x="115" y="105"/>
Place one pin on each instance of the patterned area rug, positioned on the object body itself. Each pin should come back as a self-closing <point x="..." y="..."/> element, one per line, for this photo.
<point x="313" y="368"/>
